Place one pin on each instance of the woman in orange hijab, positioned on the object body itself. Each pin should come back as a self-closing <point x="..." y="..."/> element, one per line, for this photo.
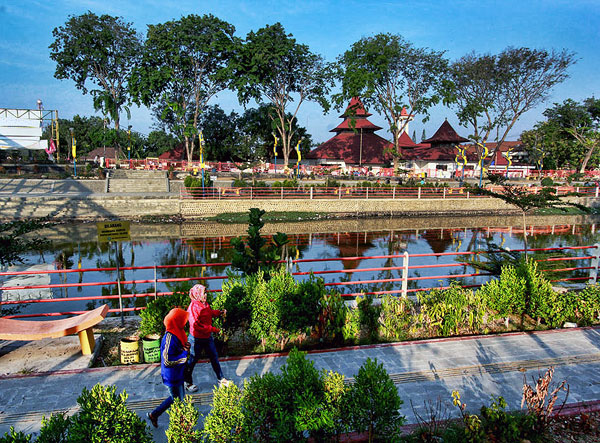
<point x="174" y="351"/>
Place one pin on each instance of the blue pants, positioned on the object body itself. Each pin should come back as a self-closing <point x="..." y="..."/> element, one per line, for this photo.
<point x="197" y="345"/>
<point x="174" y="392"/>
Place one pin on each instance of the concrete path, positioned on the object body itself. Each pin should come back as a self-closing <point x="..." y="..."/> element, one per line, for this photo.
<point x="423" y="371"/>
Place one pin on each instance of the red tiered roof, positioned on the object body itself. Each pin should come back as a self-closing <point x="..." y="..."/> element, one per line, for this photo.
<point x="355" y="141"/>
<point x="445" y="134"/>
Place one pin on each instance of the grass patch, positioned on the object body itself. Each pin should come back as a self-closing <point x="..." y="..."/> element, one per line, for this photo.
<point x="566" y="211"/>
<point x="269" y="217"/>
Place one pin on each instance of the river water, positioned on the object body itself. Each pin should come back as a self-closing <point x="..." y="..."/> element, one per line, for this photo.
<point x="76" y="246"/>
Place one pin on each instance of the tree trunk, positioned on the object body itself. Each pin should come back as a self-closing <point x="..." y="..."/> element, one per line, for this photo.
<point x="587" y="157"/>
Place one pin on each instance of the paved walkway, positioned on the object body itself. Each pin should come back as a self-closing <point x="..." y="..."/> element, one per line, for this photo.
<point x="423" y="371"/>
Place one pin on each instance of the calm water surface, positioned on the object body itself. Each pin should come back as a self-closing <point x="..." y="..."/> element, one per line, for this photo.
<point x="76" y="247"/>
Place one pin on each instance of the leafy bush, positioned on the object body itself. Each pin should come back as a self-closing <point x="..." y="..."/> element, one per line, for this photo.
<point x="260" y="406"/>
<point x="452" y="310"/>
<point x="368" y="315"/>
<point x="13" y="436"/>
<point x="299" y="309"/>
<point x="152" y="317"/>
<point x="103" y="417"/>
<point x="183" y="418"/>
<point x="374" y="402"/>
<point x="293" y="183"/>
<point x="542" y="298"/>
<point x="265" y="313"/>
<point x="396" y="315"/>
<point x="586" y="306"/>
<point x="55" y="429"/>
<point x="507" y="295"/>
<point x="234" y="298"/>
<point x="332" y="318"/>
<point x="547" y="181"/>
<point x="336" y="396"/>
<point x="194" y="184"/>
<point x="255" y="254"/>
<point x="224" y="422"/>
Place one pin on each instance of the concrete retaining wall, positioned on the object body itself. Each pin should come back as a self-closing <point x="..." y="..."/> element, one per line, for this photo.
<point x="102" y="206"/>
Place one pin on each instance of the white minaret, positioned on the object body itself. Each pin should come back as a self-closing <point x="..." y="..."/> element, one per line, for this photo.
<point x="405" y="117"/>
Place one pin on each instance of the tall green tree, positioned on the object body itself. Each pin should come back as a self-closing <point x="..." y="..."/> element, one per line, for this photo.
<point x="389" y="73"/>
<point x="101" y="51"/>
<point x="258" y="127"/>
<point x="183" y="66"/>
<point x="491" y="92"/>
<point x="579" y="122"/>
<point x="271" y="67"/>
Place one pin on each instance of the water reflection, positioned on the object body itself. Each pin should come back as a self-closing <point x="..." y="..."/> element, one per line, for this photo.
<point x="76" y="247"/>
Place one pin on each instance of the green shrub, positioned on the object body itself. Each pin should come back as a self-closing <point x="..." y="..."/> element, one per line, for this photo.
<point x="332" y="318"/>
<point x="299" y="310"/>
<point x="240" y="183"/>
<point x="293" y="183"/>
<point x="153" y="316"/>
<point x="224" y="422"/>
<point x="234" y="298"/>
<point x="373" y="403"/>
<point x="547" y="181"/>
<point x="260" y="405"/>
<point x="587" y="305"/>
<point x="507" y="295"/>
<point x="265" y="313"/>
<point x="183" y="418"/>
<point x="254" y="254"/>
<point x="396" y="316"/>
<point x="104" y="417"/>
<point x="13" y="436"/>
<point x="368" y="315"/>
<point x="541" y="296"/>
<point x="336" y="396"/>
<point x="450" y="311"/>
<point x="55" y="429"/>
<point x="194" y="184"/>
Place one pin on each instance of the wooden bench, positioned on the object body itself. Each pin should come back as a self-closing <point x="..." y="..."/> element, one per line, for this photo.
<point x="11" y="329"/>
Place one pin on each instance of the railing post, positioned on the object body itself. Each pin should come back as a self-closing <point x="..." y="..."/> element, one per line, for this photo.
<point x="594" y="263"/>
<point x="405" y="275"/>
<point x="251" y="193"/>
<point x="282" y="192"/>
<point x="419" y="194"/>
<point x="444" y="192"/>
<point x="367" y="192"/>
<point x="467" y="194"/>
<point x="394" y="193"/>
<point x="311" y="192"/>
<point x="155" y="283"/>
<point x="339" y="193"/>
<point x="119" y="287"/>
<point x="597" y="191"/>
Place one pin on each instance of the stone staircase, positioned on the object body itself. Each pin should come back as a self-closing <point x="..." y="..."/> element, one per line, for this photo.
<point x="132" y="181"/>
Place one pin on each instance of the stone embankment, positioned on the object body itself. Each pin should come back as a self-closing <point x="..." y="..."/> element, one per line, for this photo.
<point x="89" y="200"/>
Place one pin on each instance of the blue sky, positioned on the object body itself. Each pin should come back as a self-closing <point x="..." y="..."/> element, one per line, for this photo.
<point x="328" y="28"/>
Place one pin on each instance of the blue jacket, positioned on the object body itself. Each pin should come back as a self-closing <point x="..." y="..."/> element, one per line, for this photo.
<point x="172" y="360"/>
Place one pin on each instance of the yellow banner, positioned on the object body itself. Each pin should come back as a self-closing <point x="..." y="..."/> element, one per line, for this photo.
<point x="113" y="231"/>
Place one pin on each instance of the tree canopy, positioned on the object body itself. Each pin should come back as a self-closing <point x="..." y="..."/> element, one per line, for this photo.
<point x="97" y="50"/>
<point x="491" y="92"/>
<point x="272" y="67"/>
<point x="569" y="136"/>
<point x="183" y="66"/>
<point x="389" y="73"/>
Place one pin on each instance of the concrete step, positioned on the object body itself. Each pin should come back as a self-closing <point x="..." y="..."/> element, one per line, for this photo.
<point x="120" y="185"/>
<point x="137" y="174"/>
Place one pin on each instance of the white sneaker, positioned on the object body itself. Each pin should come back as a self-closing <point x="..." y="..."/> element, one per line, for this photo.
<point x="191" y="387"/>
<point x="224" y="382"/>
